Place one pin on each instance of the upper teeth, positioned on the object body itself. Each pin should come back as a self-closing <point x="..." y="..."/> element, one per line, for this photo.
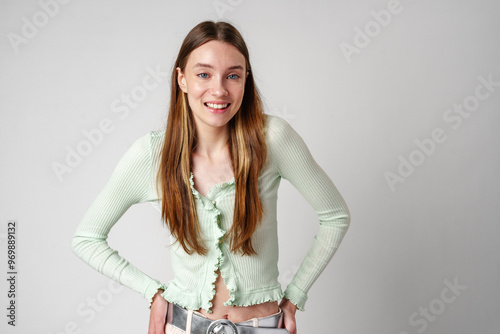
<point x="217" y="106"/>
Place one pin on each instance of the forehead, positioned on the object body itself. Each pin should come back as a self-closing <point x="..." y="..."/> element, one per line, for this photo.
<point x="217" y="54"/>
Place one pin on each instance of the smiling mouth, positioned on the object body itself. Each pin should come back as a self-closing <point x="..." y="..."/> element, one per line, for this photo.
<point x="217" y="105"/>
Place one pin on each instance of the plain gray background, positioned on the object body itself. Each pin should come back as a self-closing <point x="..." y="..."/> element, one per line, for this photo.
<point x="374" y="88"/>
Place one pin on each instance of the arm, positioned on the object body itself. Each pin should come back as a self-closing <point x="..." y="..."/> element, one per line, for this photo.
<point x="294" y="162"/>
<point x="129" y="183"/>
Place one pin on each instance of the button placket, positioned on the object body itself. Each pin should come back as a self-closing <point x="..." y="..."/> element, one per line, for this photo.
<point x="217" y="219"/>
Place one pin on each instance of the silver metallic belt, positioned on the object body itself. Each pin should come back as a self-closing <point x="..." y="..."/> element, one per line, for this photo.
<point x="178" y="316"/>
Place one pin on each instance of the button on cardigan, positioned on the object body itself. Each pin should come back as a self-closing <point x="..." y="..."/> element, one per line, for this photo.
<point x="250" y="279"/>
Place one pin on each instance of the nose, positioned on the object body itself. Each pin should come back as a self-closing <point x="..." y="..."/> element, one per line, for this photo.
<point x="218" y="87"/>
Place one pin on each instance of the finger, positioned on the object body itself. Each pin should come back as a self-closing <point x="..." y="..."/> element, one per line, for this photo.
<point x="291" y="329"/>
<point x="159" y="325"/>
<point x="161" y="329"/>
<point x="156" y="324"/>
<point x="151" y="326"/>
<point x="290" y="325"/>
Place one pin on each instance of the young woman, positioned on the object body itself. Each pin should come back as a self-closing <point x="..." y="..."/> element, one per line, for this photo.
<point x="216" y="170"/>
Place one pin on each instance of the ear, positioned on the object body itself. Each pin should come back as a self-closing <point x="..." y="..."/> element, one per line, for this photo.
<point x="181" y="80"/>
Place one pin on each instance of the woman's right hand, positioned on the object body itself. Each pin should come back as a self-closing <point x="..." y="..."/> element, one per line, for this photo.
<point x="158" y="314"/>
<point x="289" y="311"/>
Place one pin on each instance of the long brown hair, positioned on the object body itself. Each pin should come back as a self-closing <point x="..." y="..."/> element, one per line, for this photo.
<point x="247" y="149"/>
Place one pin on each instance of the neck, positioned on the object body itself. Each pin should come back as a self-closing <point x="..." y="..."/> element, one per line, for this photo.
<point x="211" y="141"/>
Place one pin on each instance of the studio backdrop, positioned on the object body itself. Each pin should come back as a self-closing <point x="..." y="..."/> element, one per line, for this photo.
<point x="397" y="100"/>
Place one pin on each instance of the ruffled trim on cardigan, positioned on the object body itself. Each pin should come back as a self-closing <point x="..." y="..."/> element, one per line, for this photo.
<point x="191" y="301"/>
<point x="208" y="296"/>
<point x="258" y="296"/>
<point x="151" y="294"/>
<point x="296" y="296"/>
<point x="199" y="197"/>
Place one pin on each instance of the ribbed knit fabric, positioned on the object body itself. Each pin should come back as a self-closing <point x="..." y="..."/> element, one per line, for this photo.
<point x="250" y="279"/>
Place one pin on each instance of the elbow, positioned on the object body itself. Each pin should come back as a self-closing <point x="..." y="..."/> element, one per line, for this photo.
<point x="339" y="219"/>
<point x="77" y="244"/>
<point x="347" y="217"/>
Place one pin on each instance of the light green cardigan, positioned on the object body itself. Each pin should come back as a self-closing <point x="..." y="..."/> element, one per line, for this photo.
<point x="249" y="279"/>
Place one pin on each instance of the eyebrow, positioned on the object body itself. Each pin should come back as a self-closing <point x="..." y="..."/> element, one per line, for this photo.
<point x="235" y="67"/>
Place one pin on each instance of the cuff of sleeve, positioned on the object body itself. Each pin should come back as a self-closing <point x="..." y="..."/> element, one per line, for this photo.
<point x="152" y="289"/>
<point x="296" y="296"/>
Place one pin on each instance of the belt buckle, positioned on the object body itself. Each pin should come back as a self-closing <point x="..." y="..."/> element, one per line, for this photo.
<point x="222" y="326"/>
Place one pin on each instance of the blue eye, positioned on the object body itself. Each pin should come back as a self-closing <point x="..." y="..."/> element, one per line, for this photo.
<point x="233" y="76"/>
<point x="203" y="75"/>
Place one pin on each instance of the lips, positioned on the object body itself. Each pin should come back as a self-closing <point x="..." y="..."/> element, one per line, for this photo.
<point x="217" y="105"/>
<point x="217" y="108"/>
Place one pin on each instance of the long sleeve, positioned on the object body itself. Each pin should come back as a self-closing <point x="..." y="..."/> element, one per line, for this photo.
<point x="130" y="183"/>
<point x="294" y="163"/>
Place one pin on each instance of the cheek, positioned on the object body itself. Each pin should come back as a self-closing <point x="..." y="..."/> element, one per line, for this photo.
<point x="196" y="89"/>
<point x="239" y="92"/>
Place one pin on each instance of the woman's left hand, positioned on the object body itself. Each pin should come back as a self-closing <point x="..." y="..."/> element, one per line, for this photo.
<point x="289" y="311"/>
<point x="158" y="314"/>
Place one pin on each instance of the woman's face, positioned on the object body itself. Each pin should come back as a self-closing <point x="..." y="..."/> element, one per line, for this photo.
<point x="214" y="80"/>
